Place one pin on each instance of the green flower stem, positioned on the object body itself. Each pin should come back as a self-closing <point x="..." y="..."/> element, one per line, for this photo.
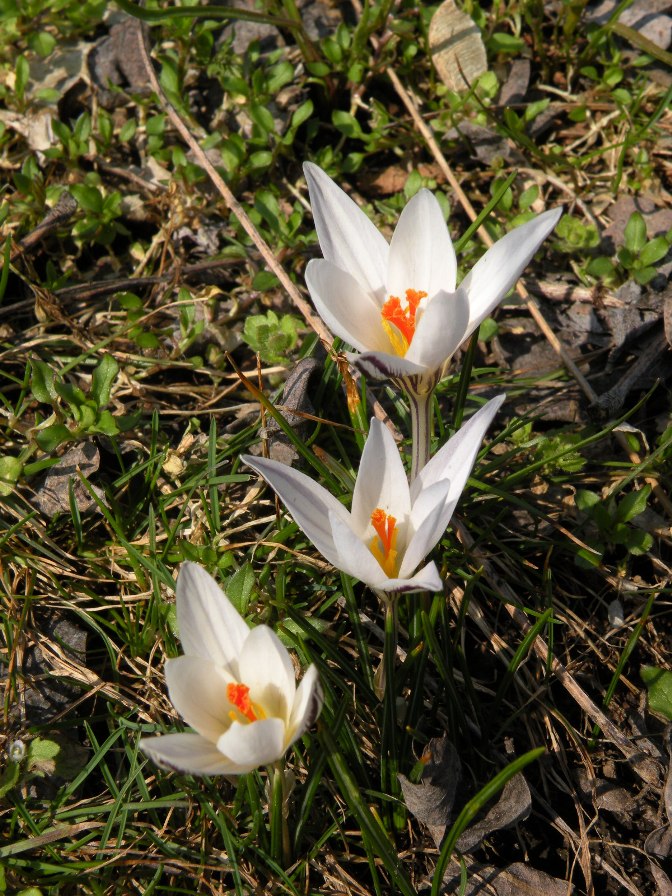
<point x="390" y="761"/>
<point x="280" y="846"/>
<point x="420" y="406"/>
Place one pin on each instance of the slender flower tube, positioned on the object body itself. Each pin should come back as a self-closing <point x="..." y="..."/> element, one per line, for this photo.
<point x="234" y="686"/>
<point x="392" y="526"/>
<point x="398" y="303"/>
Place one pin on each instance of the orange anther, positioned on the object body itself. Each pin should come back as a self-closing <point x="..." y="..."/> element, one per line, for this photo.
<point x="403" y="317"/>
<point x="384" y="526"/>
<point x="239" y="695"/>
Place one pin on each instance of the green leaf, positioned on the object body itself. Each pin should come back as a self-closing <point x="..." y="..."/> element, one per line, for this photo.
<point x="22" y="76"/>
<point x="88" y="198"/>
<point x="588" y="559"/>
<point x="42" y="42"/>
<point x="318" y="69"/>
<point x="40" y="751"/>
<point x="72" y="395"/>
<point x="42" y="382"/>
<point x="600" y="267"/>
<point x="633" y="504"/>
<point x="128" y="130"/>
<point x="279" y="76"/>
<point x="635" y="233"/>
<point x="239" y="587"/>
<point x="86" y="415"/>
<point x="659" y="685"/>
<point x="504" y="43"/>
<point x="638" y="542"/>
<point x="534" y="109"/>
<point x="488" y="329"/>
<point x="585" y="499"/>
<point x="655" y="250"/>
<point x="261" y="159"/>
<point x="106" y="423"/>
<point x="10" y="470"/>
<point x="644" y="275"/>
<point x="102" y="379"/>
<point x="346" y="123"/>
<point x="413" y="184"/>
<point x="264" y="280"/>
<point x="52" y="436"/>
<point x="9" y="777"/>
<point x="261" y="116"/>
<point x="303" y="113"/>
<point x="527" y="197"/>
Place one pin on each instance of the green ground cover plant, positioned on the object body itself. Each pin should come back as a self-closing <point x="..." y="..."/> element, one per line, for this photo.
<point x="505" y="732"/>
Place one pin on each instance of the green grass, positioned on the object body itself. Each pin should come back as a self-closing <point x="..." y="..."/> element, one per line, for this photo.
<point x="140" y="371"/>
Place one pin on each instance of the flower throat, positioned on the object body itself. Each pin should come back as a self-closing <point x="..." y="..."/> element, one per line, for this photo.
<point x="383" y="545"/>
<point x="399" y="320"/>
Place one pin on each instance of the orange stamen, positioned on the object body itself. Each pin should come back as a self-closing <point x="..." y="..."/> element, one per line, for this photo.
<point x="386" y="529"/>
<point x="402" y="317"/>
<point x="239" y="696"/>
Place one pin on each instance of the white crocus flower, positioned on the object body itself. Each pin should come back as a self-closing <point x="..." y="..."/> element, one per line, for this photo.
<point x="398" y="304"/>
<point x="392" y="526"/>
<point x="235" y="686"/>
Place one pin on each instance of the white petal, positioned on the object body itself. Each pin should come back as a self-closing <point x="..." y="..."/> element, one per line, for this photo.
<point x="381" y="480"/>
<point x="422" y="256"/>
<point x="347" y="237"/>
<point x="267" y="669"/>
<point x="197" y="690"/>
<point x="430" y="516"/>
<point x="428" y="579"/>
<point x="440" y="331"/>
<point x="354" y="557"/>
<point x="345" y="307"/>
<point x="254" y="744"/>
<point x="308" y="502"/>
<point x="455" y="459"/>
<point x="381" y="365"/>
<point x="188" y="753"/>
<point x="307" y="704"/>
<point x="495" y="273"/>
<point x="208" y="624"/>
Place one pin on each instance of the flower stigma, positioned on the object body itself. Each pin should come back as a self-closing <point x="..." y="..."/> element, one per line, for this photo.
<point x="383" y="547"/>
<point x="399" y="320"/>
<point x="239" y="696"/>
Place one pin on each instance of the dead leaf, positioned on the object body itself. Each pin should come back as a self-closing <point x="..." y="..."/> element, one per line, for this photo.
<point x="61" y="70"/>
<point x="116" y="61"/>
<point x="515" y="880"/>
<point x="431" y="801"/>
<point x="646" y="16"/>
<point x="513" y="806"/>
<point x="662" y="881"/>
<point x="52" y="491"/>
<point x="457" y="49"/>
<point x="515" y="87"/>
<point x="35" y="127"/>
<point x="659" y="842"/>
<point x="522" y="880"/>
<point x="486" y="144"/>
<point x="294" y="405"/>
